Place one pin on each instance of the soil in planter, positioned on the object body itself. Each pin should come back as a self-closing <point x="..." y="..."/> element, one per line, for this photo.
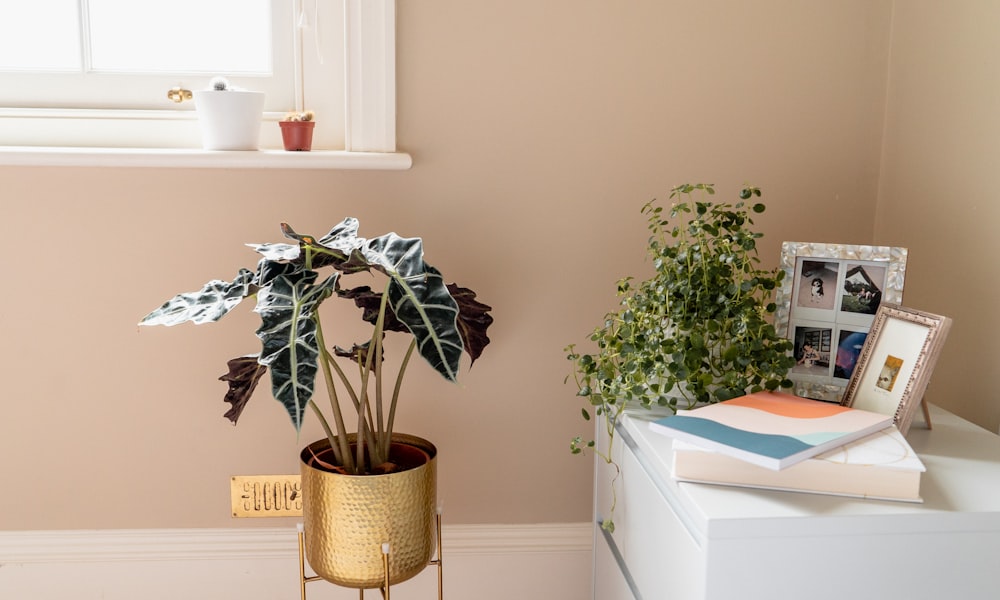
<point x="402" y="457"/>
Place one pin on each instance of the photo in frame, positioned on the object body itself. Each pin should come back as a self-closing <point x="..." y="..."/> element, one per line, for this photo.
<point x="826" y="305"/>
<point x="895" y="365"/>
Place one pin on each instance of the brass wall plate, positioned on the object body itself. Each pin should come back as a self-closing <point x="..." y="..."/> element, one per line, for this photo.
<point x="266" y="495"/>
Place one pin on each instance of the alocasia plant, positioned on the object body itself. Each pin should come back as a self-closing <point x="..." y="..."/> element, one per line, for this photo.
<point x="442" y="320"/>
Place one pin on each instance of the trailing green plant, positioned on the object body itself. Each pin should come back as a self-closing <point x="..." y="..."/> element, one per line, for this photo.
<point x="443" y="321"/>
<point x="700" y="329"/>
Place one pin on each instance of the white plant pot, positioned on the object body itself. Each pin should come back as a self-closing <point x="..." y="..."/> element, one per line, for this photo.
<point x="229" y="119"/>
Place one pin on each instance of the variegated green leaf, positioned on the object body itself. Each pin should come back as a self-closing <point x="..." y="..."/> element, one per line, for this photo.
<point x="473" y="316"/>
<point x="423" y="303"/>
<point x="343" y="237"/>
<point x="339" y="248"/>
<point x="277" y="252"/>
<point x="209" y="304"/>
<point x="267" y="270"/>
<point x="419" y="299"/>
<point x="288" y="334"/>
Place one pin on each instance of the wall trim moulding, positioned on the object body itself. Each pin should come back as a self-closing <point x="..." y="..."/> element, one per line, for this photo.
<point x="551" y="560"/>
<point x="19" y="547"/>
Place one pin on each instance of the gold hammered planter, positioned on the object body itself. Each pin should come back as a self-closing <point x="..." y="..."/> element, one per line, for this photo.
<point x="347" y="518"/>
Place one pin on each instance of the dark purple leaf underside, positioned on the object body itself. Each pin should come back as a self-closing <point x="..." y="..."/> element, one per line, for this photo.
<point x="244" y="373"/>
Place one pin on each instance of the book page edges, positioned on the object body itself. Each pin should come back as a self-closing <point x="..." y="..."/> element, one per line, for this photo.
<point x="813" y="475"/>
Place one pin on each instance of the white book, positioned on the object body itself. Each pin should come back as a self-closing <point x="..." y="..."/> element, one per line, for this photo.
<point x="881" y="466"/>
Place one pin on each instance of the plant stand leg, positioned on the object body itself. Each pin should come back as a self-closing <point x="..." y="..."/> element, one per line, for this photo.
<point x="303" y="580"/>
<point x="385" y="569"/>
<point x="438" y="560"/>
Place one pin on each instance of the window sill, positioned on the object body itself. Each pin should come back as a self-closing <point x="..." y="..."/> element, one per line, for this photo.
<point x="209" y="159"/>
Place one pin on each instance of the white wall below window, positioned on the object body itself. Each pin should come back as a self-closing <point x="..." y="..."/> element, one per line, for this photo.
<point x="486" y="562"/>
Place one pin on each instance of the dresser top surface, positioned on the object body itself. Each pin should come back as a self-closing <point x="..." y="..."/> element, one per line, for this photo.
<point x="960" y="489"/>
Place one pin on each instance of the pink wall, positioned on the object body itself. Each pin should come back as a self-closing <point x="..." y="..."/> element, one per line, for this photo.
<point x="938" y="186"/>
<point x="537" y="131"/>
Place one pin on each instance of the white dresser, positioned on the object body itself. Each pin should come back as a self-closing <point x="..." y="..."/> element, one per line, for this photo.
<point x="688" y="541"/>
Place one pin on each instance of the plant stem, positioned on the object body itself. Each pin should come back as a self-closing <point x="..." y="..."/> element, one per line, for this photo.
<point x="360" y="448"/>
<point x="366" y="434"/>
<point x="326" y="428"/>
<point x="341" y="449"/>
<point x="375" y="358"/>
<point x="365" y="423"/>
<point x="383" y="446"/>
<point x="395" y="394"/>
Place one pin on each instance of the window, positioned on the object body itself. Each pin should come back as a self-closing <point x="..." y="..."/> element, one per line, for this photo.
<point x="70" y="74"/>
<point x="125" y="55"/>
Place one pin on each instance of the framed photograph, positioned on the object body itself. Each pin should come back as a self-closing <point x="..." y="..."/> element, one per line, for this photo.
<point x="826" y="305"/>
<point x="895" y="365"/>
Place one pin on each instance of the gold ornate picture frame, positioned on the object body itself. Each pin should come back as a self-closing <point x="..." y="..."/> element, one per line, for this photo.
<point x="895" y="364"/>
<point x="826" y="305"/>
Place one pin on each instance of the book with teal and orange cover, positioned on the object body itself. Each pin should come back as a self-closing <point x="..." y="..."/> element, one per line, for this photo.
<point x="771" y="429"/>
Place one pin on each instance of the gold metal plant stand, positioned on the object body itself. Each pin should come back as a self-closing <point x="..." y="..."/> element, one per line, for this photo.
<point x="386" y="548"/>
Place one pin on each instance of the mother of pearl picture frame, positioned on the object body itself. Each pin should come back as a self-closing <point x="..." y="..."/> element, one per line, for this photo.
<point x="826" y="305"/>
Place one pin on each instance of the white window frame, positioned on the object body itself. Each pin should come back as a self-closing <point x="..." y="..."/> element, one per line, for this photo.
<point x="369" y="114"/>
<point x="370" y="50"/>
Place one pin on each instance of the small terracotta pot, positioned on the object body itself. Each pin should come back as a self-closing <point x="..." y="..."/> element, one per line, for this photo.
<point x="297" y="135"/>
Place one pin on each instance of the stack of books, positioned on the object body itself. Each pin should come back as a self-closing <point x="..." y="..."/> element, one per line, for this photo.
<point x="774" y="440"/>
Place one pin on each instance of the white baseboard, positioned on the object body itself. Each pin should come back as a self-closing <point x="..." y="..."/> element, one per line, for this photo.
<point x="547" y="561"/>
